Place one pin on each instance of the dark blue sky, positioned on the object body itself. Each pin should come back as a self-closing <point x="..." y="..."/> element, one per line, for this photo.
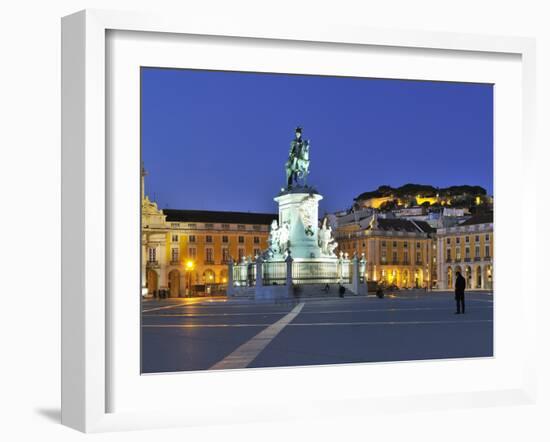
<point x="219" y="140"/>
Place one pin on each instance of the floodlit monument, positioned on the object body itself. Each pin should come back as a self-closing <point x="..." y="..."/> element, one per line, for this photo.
<point x="300" y="255"/>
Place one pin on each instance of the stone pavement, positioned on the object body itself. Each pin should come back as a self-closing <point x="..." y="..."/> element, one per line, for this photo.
<point x="220" y="333"/>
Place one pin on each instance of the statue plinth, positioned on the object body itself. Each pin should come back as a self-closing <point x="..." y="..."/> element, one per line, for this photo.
<point x="300" y="212"/>
<point x="298" y="189"/>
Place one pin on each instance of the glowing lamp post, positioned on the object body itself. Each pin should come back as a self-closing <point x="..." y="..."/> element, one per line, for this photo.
<point x="189" y="266"/>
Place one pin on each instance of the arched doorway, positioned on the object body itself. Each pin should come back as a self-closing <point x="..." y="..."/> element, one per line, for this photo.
<point x="392" y="278"/>
<point x="223" y="276"/>
<point x="488" y="277"/>
<point x="406" y="278"/>
<point x="468" y="277"/>
<point x="209" y="276"/>
<point x="449" y="278"/>
<point x="152" y="282"/>
<point x="418" y="278"/>
<point x="478" y="277"/>
<point x="174" y="283"/>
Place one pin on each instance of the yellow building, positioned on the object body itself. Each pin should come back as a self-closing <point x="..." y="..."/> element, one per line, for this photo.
<point x="468" y="248"/>
<point x="185" y="251"/>
<point x="193" y="248"/>
<point x="398" y="252"/>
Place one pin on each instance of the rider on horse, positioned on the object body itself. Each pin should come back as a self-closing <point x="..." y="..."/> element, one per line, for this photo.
<point x="297" y="165"/>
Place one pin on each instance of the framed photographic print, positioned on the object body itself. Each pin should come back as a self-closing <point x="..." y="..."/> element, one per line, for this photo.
<point x="251" y="212"/>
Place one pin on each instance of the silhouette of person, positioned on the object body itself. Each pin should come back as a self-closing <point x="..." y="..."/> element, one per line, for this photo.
<point x="460" y="286"/>
<point x="341" y="290"/>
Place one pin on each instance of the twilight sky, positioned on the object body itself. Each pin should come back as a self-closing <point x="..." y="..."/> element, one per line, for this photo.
<point x="219" y="140"/>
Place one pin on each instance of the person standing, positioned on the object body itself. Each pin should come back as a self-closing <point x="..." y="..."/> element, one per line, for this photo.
<point x="341" y="290"/>
<point x="460" y="286"/>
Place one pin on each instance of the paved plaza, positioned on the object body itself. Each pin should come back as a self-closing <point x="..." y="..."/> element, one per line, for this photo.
<point x="220" y="333"/>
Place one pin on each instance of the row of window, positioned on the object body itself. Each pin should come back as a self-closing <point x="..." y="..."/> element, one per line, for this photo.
<point x="192" y="254"/>
<point x="383" y="244"/>
<point x="212" y="226"/>
<point x="208" y="239"/>
<point x="467" y="239"/>
<point x="384" y="256"/>
<point x="405" y="244"/>
<point x="458" y="252"/>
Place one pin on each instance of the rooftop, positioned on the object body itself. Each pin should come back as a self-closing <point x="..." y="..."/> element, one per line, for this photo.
<point x="403" y="225"/>
<point x="207" y="216"/>
<point x="484" y="218"/>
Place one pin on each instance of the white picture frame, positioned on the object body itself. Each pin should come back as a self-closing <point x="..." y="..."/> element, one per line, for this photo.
<point x="87" y="355"/>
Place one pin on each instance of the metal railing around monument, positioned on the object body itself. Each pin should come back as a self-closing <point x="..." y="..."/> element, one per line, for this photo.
<point x="274" y="273"/>
<point x="314" y="272"/>
<point x="244" y="274"/>
<point x="303" y="272"/>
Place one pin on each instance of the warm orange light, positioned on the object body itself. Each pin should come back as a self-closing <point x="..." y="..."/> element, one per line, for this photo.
<point x="189" y="265"/>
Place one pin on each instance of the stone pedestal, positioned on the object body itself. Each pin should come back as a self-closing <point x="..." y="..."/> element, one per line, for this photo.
<point x="299" y="211"/>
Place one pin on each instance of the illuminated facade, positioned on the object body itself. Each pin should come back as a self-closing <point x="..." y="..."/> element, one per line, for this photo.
<point x="467" y="247"/>
<point x="398" y="252"/>
<point x="189" y="250"/>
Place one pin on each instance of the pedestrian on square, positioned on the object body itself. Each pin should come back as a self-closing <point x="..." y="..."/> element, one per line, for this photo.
<point x="460" y="286"/>
<point x="341" y="290"/>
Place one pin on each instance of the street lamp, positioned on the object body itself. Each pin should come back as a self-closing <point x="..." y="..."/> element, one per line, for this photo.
<point x="189" y="265"/>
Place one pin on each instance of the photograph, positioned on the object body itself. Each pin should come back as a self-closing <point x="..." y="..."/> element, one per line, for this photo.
<point x="302" y="220"/>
